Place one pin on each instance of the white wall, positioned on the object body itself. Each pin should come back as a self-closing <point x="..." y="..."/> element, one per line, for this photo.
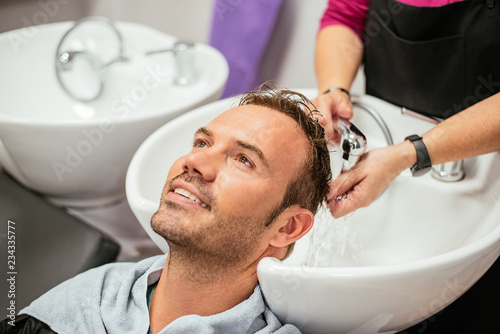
<point x="290" y="55"/>
<point x="187" y="19"/>
<point x="16" y="14"/>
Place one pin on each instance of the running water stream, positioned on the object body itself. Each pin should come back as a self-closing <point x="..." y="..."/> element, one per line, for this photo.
<point x="333" y="242"/>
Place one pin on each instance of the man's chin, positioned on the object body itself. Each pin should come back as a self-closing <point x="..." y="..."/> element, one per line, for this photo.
<point x="169" y="218"/>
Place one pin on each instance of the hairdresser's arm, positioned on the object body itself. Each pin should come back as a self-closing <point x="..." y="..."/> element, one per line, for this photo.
<point x="337" y="58"/>
<point x="470" y="133"/>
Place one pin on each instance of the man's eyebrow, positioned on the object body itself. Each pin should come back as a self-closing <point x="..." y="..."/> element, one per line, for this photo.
<point x="203" y="130"/>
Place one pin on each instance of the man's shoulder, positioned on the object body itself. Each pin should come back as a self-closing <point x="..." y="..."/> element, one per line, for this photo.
<point x="111" y="274"/>
<point x="93" y="296"/>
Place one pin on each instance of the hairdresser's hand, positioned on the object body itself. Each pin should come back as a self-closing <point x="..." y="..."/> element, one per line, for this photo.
<point x="365" y="181"/>
<point x="332" y="106"/>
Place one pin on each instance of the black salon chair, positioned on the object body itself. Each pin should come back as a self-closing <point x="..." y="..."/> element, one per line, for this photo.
<point x="50" y="245"/>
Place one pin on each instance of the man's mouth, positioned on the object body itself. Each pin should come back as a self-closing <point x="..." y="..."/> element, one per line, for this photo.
<point x="187" y="194"/>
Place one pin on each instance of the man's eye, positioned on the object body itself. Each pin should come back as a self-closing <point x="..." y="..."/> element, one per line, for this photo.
<point x="200" y="143"/>
<point x="244" y="160"/>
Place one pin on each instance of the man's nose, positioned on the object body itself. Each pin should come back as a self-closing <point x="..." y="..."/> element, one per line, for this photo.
<point x="202" y="163"/>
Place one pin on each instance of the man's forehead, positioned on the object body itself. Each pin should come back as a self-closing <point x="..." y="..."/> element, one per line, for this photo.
<point x="272" y="131"/>
<point x="257" y="117"/>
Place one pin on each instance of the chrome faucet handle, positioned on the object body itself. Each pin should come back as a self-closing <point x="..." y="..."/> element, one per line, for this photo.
<point x="179" y="45"/>
<point x="183" y="52"/>
<point x="452" y="171"/>
<point x="184" y="63"/>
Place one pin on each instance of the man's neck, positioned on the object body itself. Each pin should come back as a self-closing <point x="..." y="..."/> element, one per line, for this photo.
<point x="185" y="289"/>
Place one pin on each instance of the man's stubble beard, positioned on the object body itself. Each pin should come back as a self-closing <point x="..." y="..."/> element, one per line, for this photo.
<point x="213" y="249"/>
<point x="221" y="242"/>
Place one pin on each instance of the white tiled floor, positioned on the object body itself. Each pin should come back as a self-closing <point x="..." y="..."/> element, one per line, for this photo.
<point x="119" y="222"/>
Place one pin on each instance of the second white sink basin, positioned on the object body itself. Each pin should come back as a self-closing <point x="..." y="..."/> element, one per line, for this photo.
<point x="78" y="153"/>
<point x="411" y="253"/>
<point x="414" y="251"/>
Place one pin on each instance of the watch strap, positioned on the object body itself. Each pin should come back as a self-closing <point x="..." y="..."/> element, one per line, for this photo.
<point x="423" y="164"/>
<point x="332" y="89"/>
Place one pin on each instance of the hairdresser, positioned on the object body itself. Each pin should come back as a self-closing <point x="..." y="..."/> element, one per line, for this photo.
<point x="440" y="58"/>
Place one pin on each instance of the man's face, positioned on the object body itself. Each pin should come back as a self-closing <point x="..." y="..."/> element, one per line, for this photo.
<point x="217" y="198"/>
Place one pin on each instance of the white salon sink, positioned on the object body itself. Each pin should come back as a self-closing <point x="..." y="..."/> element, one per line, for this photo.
<point x="420" y="245"/>
<point x="77" y="153"/>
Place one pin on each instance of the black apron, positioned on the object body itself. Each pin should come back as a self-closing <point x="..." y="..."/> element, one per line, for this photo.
<point x="433" y="60"/>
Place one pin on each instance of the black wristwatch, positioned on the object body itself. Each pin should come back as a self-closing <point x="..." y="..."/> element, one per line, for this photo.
<point x="423" y="164"/>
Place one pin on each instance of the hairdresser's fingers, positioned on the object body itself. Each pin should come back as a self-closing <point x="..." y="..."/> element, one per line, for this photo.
<point x="365" y="181"/>
<point x="341" y="208"/>
<point x="332" y="106"/>
<point x="345" y="196"/>
<point x="350" y="201"/>
<point x="344" y="107"/>
<point x="344" y="183"/>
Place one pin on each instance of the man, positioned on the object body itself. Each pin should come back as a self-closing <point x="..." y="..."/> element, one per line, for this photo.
<point x="248" y="189"/>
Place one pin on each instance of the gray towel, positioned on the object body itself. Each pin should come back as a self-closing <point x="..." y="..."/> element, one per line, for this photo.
<point x="112" y="299"/>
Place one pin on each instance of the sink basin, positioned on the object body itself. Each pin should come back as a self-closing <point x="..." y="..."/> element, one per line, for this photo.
<point x="419" y="246"/>
<point x="77" y="153"/>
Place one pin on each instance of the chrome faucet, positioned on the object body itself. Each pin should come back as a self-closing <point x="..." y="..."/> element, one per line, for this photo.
<point x="352" y="145"/>
<point x="65" y="61"/>
<point x="183" y="52"/>
<point x="449" y="171"/>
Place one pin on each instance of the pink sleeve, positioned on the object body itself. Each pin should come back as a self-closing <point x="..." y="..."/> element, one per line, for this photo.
<point x="349" y="13"/>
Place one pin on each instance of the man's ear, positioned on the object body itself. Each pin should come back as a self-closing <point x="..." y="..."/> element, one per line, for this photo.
<point x="294" y="223"/>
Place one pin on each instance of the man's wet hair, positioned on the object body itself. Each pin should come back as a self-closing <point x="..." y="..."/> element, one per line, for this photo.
<point x="310" y="186"/>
